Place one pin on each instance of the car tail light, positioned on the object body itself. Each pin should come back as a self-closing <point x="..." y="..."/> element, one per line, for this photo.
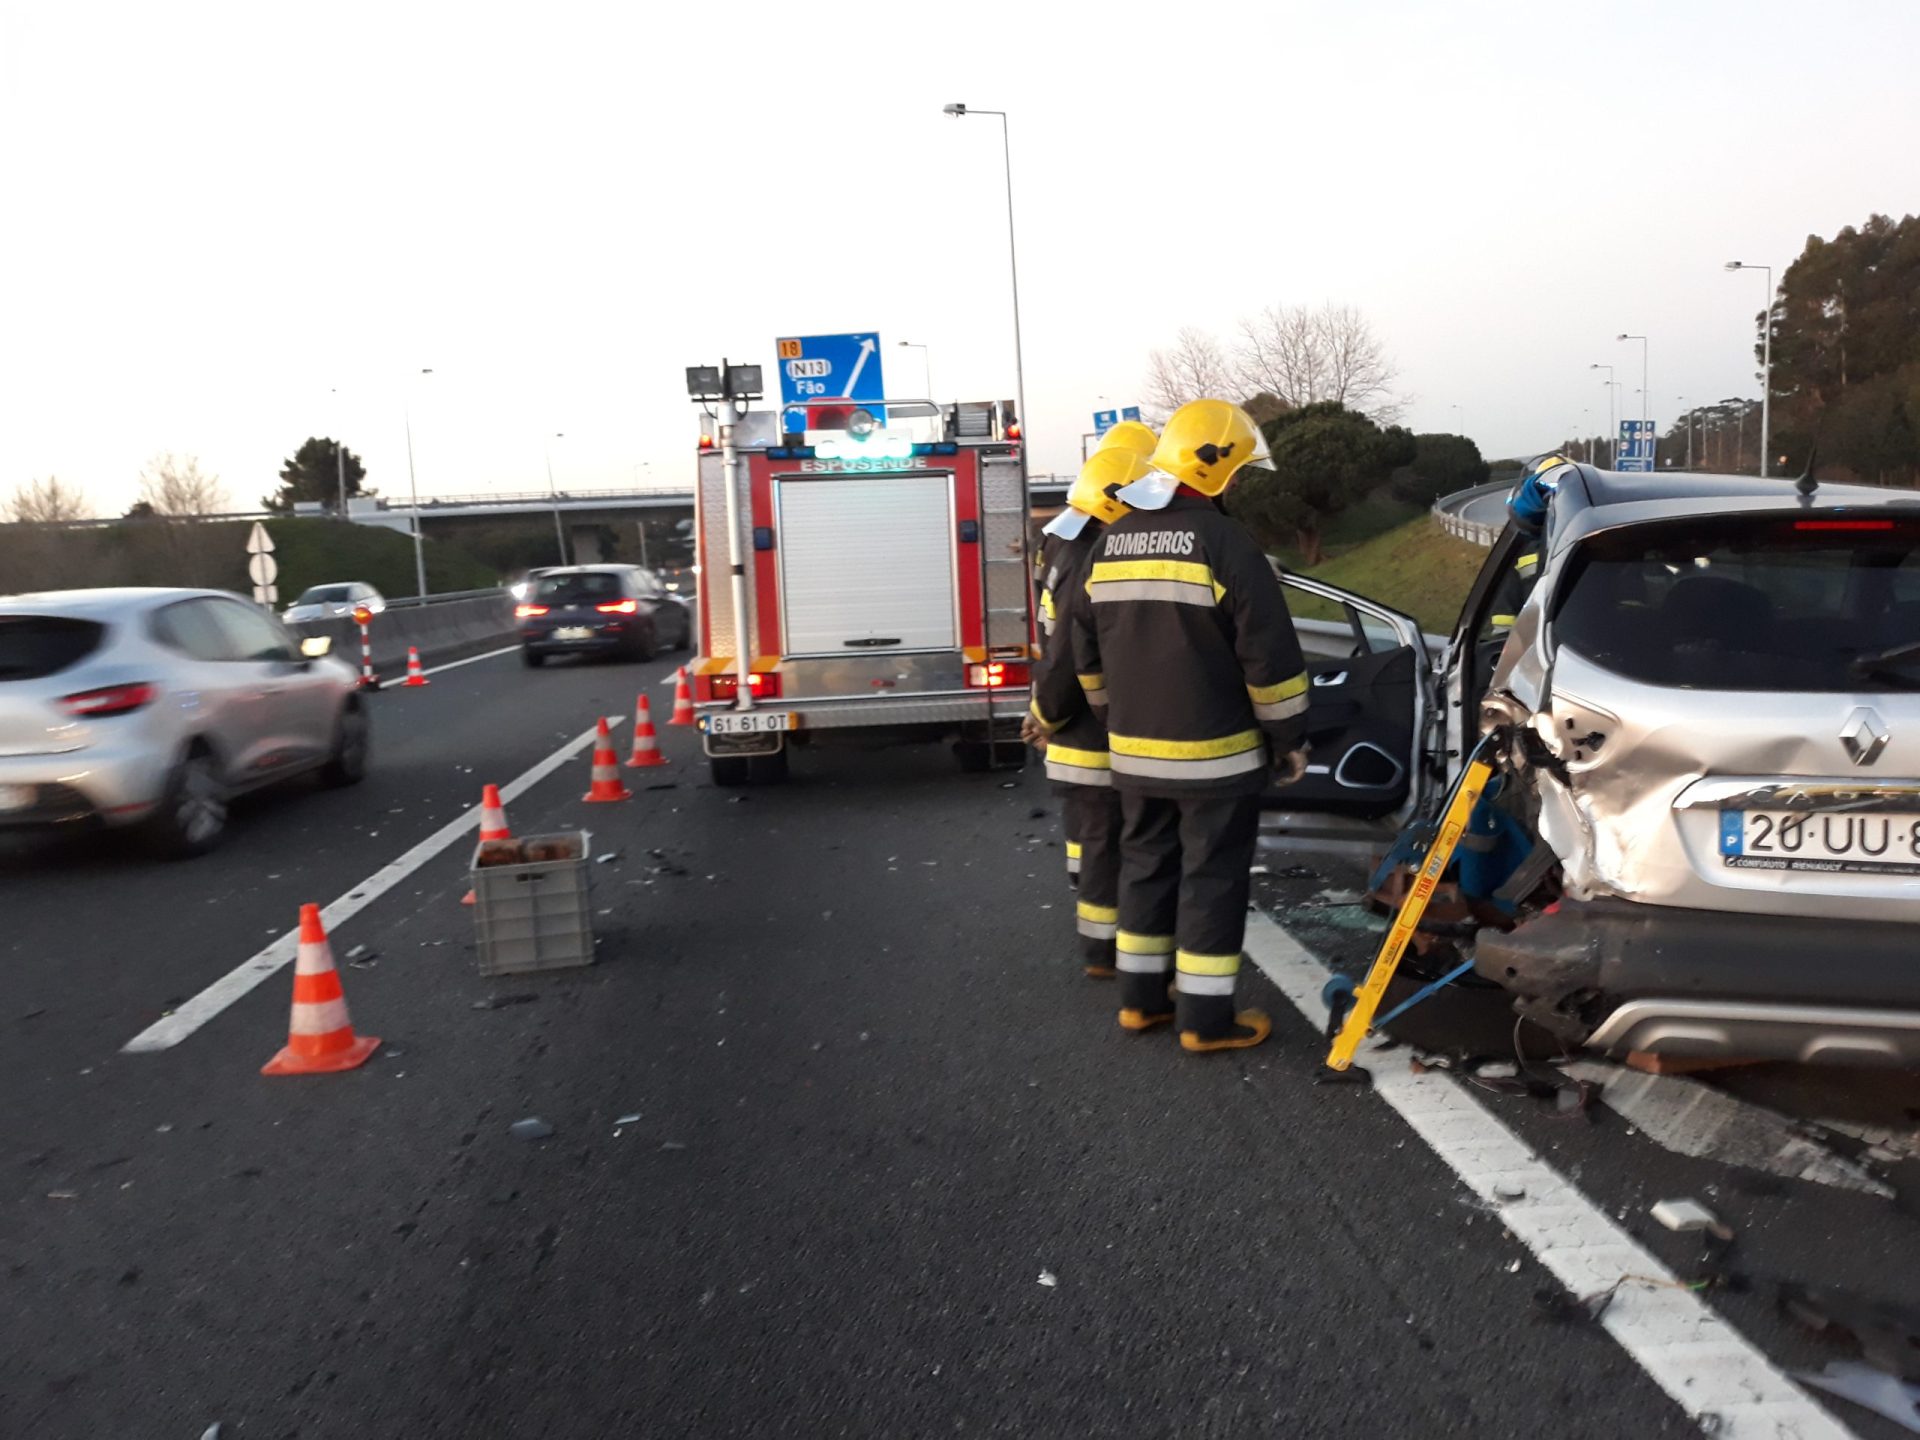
<point x="762" y="685"/>
<point x="619" y="607"/>
<point x="995" y="674"/>
<point x="521" y="612"/>
<point x="109" y="700"/>
<point x="1843" y="524"/>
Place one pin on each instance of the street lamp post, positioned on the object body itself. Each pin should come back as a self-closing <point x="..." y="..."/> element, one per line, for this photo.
<point x="1686" y="418"/>
<point x="413" y="486"/>
<point x="926" y="359"/>
<point x="1646" y="395"/>
<point x="1459" y="420"/>
<point x="1766" y="365"/>
<point x="339" y="455"/>
<point x="553" y="498"/>
<point x="1613" y="422"/>
<point x="1013" y="254"/>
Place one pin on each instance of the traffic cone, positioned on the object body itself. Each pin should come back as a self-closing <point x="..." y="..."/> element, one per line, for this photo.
<point x="320" y="1036"/>
<point x="606" y="770"/>
<point x="646" y="746"/>
<point x="682" y="701"/>
<point x="493" y="824"/>
<point x="414" y="677"/>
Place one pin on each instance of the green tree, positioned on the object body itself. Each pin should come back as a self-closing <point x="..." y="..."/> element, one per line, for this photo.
<point x="312" y="476"/>
<point x="1441" y="465"/>
<point x="1321" y="459"/>
<point x="1846" y="353"/>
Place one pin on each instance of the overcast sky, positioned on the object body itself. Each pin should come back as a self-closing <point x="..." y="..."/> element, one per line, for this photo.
<point x="220" y="215"/>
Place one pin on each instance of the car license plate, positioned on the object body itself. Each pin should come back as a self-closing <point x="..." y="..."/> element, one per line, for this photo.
<point x="16" y="797"/>
<point x="1833" y="841"/>
<point x="573" y="632"/>
<point x="750" y="722"/>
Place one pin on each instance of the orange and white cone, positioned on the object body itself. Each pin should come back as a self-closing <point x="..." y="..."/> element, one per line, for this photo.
<point x="646" y="745"/>
<point x="682" y="701"/>
<point x="414" y="674"/>
<point x="493" y="824"/>
<point x="320" y="1036"/>
<point x="607" y="784"/>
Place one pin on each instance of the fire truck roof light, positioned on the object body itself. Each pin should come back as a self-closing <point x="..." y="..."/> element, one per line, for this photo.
<point x="878" y="446"/>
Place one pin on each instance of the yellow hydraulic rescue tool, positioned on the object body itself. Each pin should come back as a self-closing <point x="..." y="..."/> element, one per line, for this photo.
<point x="1453" y="824"/>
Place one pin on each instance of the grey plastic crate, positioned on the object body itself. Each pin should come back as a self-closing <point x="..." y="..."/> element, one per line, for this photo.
<point x="536" y="916"/>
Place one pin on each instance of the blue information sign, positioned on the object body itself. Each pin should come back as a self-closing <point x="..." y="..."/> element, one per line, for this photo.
<point x="830" y="367"/>
<point x="1105" y="420"/>
<point x="1636" y="445"/>
<point x="1132" y="412"/>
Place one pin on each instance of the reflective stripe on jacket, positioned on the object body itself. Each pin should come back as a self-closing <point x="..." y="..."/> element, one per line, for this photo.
<point x="1185" y="635"/>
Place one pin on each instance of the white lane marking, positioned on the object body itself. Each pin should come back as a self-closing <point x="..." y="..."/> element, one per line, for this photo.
<point x="170" y="1030"/>
<point x="456" y="664"/>
<point x="1707" y="1366"/>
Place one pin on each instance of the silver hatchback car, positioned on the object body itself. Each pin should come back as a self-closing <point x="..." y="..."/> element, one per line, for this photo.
<point x="152" y="708"/>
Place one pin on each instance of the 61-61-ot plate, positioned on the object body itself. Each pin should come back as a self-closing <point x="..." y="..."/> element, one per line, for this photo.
<point x="749" y="722"/>
<point x="1834" y="841"/>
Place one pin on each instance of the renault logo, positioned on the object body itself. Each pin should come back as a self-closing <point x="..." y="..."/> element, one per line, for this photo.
<point x="1864" y="735"/>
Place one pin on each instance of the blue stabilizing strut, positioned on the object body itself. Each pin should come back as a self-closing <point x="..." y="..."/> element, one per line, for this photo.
<point x="1423" y="993"/>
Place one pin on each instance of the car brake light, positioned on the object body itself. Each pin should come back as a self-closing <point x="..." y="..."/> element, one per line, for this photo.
<point x="521" y="612"/>
<point x="109" y="700"/>
<point x="995" y="674"/>
<point x="1843" y="524"/>
<point x="619" y="607"/>
<point x="762" y="685"/>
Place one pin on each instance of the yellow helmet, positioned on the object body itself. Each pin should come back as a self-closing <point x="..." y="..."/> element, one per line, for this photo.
<point x="1106" y="470"/>
<point x="1129" y="435"/>
<point x="1205" y="443"/>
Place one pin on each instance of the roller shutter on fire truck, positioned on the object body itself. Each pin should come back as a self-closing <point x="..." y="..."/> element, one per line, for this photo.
<point x="867" y="562"/>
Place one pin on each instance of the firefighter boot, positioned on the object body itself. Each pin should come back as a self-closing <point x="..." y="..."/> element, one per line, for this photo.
<point x="1144" y="1001"/>
<point x="1208" y="1022"/>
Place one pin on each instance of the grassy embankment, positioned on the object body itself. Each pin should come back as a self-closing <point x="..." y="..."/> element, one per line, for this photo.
<point x="1393" y="553"/>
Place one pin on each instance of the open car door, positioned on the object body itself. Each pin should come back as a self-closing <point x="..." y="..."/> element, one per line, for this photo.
<point x="1369" y="722"/>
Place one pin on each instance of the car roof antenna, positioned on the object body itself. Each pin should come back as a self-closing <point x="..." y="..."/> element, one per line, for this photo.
<point x="1806" y="484"/>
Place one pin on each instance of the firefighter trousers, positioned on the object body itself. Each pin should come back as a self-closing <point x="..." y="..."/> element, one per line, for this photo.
<point x="1185" y="879"/>
<point x="1092" y="815"/>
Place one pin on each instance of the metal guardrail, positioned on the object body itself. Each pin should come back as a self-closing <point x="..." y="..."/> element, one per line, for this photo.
<point x="1447" y="514"/>
<point x="407" y="602"/>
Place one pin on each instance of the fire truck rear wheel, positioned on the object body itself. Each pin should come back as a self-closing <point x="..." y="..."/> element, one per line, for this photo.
<point x="728" y="769"/>
<point x="768" y="769"/>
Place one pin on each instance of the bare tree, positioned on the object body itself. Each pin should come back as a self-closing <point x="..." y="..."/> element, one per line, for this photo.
<point x="175" y="485"/>
<point x="45" y="502"/>
<point x="1195" y="365"/>
<point x="1302" y="355"/>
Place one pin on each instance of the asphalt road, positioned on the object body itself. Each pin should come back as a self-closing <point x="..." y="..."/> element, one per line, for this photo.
<point x="879" y="1110"/>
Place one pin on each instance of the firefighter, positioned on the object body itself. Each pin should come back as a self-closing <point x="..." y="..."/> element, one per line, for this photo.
<point x="1186" y="644"/>
<point x="1064" y="727"/>
<point x="1528" y="506"/>
<point x="1064" y="536"/>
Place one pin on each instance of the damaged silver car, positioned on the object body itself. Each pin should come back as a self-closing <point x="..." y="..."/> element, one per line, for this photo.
<point x="1706" y="836"/>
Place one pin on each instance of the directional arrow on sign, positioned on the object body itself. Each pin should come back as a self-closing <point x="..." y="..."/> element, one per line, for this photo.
<point x="259" y="542"/>
<point x="866" y="349"/>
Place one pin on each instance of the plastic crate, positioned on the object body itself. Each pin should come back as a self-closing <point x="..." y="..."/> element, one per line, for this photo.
<point x="534" y="916"/>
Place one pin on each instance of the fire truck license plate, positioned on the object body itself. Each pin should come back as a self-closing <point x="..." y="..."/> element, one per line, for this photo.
<point x="751" y="722"/>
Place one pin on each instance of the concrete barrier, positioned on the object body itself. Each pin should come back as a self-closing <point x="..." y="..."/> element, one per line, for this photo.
<point x="440" y="628"/>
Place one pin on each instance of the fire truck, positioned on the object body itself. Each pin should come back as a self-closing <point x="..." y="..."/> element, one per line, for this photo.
<point x="882" y="579"/>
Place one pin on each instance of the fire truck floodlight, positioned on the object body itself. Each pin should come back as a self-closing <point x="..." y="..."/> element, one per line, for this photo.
<point x="703" y="382"/>
<point x="743" y="382"/>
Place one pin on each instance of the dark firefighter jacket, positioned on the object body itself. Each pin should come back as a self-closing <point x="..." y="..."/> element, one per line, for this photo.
<point x="1186" y="642"/>
<point x="1077" y="744"/>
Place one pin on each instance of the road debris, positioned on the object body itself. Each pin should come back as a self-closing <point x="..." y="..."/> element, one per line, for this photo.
<point x="1874" y="1389"/>
<point x="672" y="1145"/>
<point x="633" y="1119"/>
<point x="531" y="1128"/>
<point x="212" y="1432"/>
<point x="63" y="1194"/>
<point x="500" y="1002"/>
<point x="606" y="859"/>
<point x="1686" y="1216"/>
<point x="1049" y="1279"/>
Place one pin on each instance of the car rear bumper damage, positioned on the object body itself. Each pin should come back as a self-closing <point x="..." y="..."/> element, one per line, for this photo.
<point x="1622" y="977"/>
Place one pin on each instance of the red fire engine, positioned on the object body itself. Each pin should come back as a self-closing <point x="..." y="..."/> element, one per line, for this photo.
<point x="883" y="577"/>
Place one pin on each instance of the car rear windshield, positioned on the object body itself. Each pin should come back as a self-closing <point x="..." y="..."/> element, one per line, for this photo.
<point x="1810" y="602"/>
<point x="33" y="646"/>
<point x="323" y="594"/>
<point x="578" y="589"/>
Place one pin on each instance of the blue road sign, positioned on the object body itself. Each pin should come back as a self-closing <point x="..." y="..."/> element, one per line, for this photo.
<point x="1636" y="445"/>
<point x="1131" y="412"/>
<point x="831" y="367"/>
<point x="1105" y="420"/>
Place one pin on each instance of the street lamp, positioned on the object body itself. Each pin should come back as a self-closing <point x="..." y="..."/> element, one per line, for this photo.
<point x="413" y="485"/>
<point x="1766" y="365"/>
<point x="926" y="359"/>
<point x="1013" y="254"/>
<point x="339" y="453"/>
<point x="553" y="497"/>
<point x="1459" y="420"/>
<point x="1613" y="424"/>
<point x="1646" y="401"/>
